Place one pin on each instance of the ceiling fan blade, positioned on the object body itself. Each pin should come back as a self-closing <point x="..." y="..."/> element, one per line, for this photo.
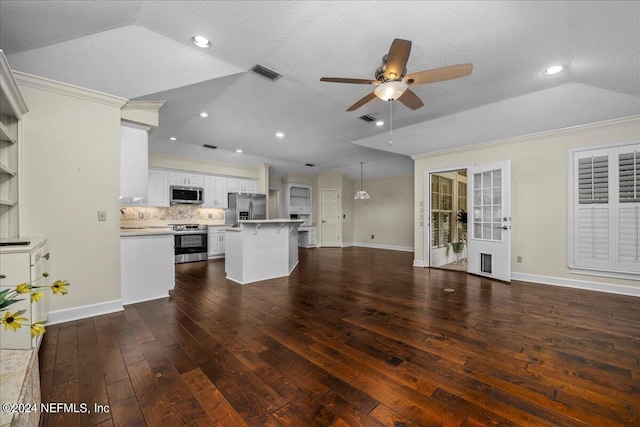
<point x="397" y="58"/>
<point x="347" y="80"/>
<point x="363" y="101"/>
<point x="410" y="99"/>
<point x="439" y="74"/>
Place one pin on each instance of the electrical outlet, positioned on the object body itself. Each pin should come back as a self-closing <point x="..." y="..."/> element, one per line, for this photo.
<point x="141" y="215"/>
<point x="519" y="259"/>
<point x="210" y="216"/>
<point x="102" y="215"/>
<point x="372" y="237"/>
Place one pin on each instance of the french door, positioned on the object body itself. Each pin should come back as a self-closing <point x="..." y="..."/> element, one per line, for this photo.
<point x="489" y="220"/>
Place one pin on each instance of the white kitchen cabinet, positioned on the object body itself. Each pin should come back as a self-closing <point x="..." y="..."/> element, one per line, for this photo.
<point x="307" y="237"/>
<point x="215" y="192"/>
<point x="158" y="189"/>
<point x="185" y="179"/>
<point x="12" y="107"/>
<point x="216" y="242"/>
<point x="25" y="264"/>
<point x="134" y="161"/>
<point x="239" y="185"/>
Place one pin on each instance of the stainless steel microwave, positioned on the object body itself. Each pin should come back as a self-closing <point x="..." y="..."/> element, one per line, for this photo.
<point x="190" y="195"/>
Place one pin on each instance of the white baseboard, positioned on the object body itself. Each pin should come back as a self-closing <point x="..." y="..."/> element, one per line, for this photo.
<point x="418" y="263"/>
<point x="348" y="245"/>
<point x="578" y="284"/>
<point x="388" y="247"/>
<point x="77" y="313"/>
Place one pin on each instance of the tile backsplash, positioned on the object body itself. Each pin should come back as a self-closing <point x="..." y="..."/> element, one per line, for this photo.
<point x="173" y="213"/>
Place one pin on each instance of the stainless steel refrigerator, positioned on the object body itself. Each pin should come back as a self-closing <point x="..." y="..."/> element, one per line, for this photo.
<point x="244" y="206"/>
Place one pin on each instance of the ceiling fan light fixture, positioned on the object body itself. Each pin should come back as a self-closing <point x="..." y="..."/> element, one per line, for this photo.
<point x="201" y="42"/>
<point x="390" y="90"/>
<point x="553" y="70"/>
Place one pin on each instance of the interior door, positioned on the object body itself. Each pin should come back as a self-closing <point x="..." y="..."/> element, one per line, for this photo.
<point x="489" y="234"/>
<point x="330" y="217"/>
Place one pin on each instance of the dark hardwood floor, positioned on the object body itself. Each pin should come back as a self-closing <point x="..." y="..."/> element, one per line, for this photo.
<point x="354" y="337"/>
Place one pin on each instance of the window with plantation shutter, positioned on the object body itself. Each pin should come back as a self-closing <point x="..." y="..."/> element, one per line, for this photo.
<point x="605" y="204"/>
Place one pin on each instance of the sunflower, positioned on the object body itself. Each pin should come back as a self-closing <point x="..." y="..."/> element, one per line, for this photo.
<point x="14" y="320"/>
<point x="37" y="329"/>
<point x="23" y="288"/>
<point x="35" y="296"/>
<point x="60" y="287"/>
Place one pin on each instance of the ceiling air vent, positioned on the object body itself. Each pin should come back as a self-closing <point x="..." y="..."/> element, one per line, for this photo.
<point x="309" y="164"/>
<point x="368" y="118"/>
<point x="213" y="147"/>
<point x="265" y="72"/>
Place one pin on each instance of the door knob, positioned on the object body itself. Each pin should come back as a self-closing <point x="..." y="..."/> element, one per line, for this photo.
<point x="504" y="227"/>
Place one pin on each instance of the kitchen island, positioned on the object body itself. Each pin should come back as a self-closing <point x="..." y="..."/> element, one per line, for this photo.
<point x="261" y="249"/>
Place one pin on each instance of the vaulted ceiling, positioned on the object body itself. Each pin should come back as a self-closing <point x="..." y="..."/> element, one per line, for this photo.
<point x="143" y="50"/>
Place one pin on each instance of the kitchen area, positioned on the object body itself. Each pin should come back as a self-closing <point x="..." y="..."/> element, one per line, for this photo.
<point x="187" y="217"/>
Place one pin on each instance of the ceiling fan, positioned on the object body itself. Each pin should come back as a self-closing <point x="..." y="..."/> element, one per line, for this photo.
<point x="393" y="82"/>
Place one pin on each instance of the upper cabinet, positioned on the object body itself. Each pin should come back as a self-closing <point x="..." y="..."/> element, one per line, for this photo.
<point x="215" y="192"/>
<point x="134" y="161"/>
<point x="297" y="198"/>
<point x="12" y="107"/>
<point x="240" y="185"/>
<point x="158" y="189"/>
<point x="186" y="179"/>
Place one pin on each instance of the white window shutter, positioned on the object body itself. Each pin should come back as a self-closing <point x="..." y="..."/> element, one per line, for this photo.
<point x="593" y="237"/>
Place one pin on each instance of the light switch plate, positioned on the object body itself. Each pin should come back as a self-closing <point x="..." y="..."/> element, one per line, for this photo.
<point x="102" y="215"/>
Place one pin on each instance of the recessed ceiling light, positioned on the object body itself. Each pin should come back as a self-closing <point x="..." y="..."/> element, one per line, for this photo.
<point x="204" y="115"/>
<point x="553" y="70"/>
<point x="201" y="41"/>
<point x="280" y="134"/>
<point x="238" y="151"/>
<point x="379" y="123"/>
<point x="173" y="138"/>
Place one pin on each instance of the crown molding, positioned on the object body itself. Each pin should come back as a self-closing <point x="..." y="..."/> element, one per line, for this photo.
<point x="49" y="85"/>
<point x="630" y="120"/>
<point x="10" y="88"/>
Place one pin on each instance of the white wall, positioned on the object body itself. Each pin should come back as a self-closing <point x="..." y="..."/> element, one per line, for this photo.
<point x="71" y="170"/>
<point x="388" y="214"/>
<point x="538" y="193"/>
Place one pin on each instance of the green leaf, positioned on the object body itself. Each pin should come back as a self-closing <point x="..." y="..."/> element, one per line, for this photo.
<point x="7" y="303"/>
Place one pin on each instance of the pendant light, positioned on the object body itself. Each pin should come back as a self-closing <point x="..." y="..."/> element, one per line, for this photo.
<point x="361" y="195"/>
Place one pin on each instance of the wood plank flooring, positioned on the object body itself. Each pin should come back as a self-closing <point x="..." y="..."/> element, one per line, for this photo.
<point x="353" y="337"/>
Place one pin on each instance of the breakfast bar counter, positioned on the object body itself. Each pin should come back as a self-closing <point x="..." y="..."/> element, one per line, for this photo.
<point x="261" y="249"/>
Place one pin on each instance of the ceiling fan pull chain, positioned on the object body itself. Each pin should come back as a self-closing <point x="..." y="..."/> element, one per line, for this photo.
<point x="390" y="121"/>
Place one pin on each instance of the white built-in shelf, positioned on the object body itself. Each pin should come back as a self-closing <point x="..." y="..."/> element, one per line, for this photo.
<point x="6" y="169"/>
<point x="5" y="135"/>
<point x="7" y="202"/>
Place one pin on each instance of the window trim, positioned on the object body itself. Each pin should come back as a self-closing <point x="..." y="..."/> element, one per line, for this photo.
<point x="571" y="249"/>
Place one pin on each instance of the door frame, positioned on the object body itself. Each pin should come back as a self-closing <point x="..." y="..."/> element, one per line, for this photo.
<point x="500" y="248"/>
<point x="426" y="208"/>
<point x="340" y="240"/>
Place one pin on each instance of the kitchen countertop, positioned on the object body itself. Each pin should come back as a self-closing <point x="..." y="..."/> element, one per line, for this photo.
<point x="262" y="221"/>
<point x="148" y="231"/>
<point x="34" y="242"/>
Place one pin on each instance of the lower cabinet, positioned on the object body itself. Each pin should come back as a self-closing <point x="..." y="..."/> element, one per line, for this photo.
<point x="216" y="242"/>
<point x="307" y="237"/>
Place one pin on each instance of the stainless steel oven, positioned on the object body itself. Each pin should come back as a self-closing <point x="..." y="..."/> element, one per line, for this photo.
<point x="191" y="243"/>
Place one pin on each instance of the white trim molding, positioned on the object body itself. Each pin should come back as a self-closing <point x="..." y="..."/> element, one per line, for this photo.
<point x="388" y="247"/>
<point x="85" y="311"/>
<point x="42" y="83"/>
<point x="578" y="284"/>
<point x="418" y="263"/>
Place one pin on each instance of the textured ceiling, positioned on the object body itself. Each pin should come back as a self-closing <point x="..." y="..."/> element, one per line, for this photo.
<point x="143" y="50"/>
